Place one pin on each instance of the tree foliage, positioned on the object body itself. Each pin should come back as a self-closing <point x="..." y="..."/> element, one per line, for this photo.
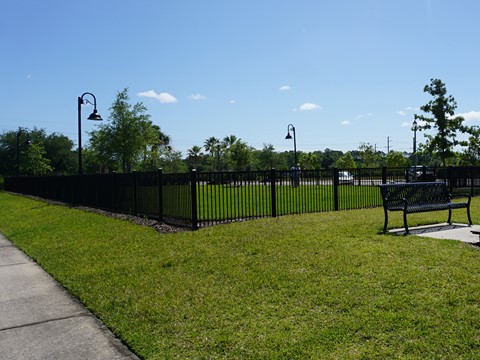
<point x="346" y="161"/>
<point x="129" y="139"/>
<point x="34" y="161"/>
<point x="53" y="153"/>
<point x="442" y="121"/>
<point x="396" y="159"/>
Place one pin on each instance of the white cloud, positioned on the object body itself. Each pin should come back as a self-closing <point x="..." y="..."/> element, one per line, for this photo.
<point x="197" y="97"/>
<point x="284" y="88"/>
<point x="471" y="115"/>
<point x="346" y="123"/>
<point x="410" y="124"/>
<point x="402" y="113"/>
<point x="361" y="116"/>
<point x="309" y="106"/>
<point x="232" y="101"/>
<point x="164" y="98"/>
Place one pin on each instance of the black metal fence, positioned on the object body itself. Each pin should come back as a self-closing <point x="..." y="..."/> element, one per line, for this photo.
<point x="201" y="199"/>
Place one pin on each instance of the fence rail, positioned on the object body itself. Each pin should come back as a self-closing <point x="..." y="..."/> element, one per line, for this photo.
<point x="202" y="199"/>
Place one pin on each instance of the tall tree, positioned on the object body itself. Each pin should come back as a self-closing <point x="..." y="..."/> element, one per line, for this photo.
<point x="54" y="149"/>
<point x="346" y="161"/>
<point x="59" y="150"/>
<point x="35" y="162"/>
<point x="368" y="156"/>
<point x="212" y="145"/>
<point x="471" y="155"/>
<point x="396" y="159"/>
<point x="194" y="154"/>
<point x="241" y="156"/>
<point x="129" y="138"/>
<point x="308" y="161"/>
<point x="267" y="157"/>
<point x="443" y="122"/>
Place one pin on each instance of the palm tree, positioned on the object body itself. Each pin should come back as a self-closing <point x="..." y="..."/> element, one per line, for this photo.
<point x="194" y="154"/>
<point x="228" y="141"/>
<point x="212" y="145"/>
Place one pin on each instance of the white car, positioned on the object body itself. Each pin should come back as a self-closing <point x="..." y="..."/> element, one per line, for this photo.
<point x="345" y="178"/>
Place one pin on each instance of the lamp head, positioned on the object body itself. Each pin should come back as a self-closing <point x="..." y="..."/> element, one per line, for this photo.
<point x="288" y="136"/>
<point x="95" y="116"/>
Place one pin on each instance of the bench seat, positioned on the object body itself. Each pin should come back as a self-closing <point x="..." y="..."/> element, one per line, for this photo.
<point x="421" y="197"/>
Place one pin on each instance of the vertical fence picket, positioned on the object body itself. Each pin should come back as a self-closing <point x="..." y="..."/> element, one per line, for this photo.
<point x="160" y="194"/>
<point x="193" y="187"/>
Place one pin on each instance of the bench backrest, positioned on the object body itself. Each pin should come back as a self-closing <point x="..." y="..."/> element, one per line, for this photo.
<point x="414" y="193"/>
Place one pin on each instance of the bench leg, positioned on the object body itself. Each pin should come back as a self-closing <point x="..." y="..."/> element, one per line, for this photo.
<point x="386" y="221"/>
<point x="405" y="222"/>
<point x="449" y="217"/>
<point x="468" y="214"/>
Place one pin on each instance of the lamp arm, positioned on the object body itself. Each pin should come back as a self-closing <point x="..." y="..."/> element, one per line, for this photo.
<point x="86" y="101"/>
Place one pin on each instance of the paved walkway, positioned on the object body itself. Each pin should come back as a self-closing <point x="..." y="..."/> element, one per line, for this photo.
<point x="461" y="232"/>
<point x="39" y="319"/>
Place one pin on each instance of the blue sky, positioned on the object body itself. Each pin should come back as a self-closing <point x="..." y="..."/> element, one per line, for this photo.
<point x="343" y="72"/>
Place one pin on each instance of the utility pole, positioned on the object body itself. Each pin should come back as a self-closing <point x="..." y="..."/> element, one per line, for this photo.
<point x="388" y="145"/>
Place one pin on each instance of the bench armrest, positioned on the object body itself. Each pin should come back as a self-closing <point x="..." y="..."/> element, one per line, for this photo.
<point x="457" y="196"/>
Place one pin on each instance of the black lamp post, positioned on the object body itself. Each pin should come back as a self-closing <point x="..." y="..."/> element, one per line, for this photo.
<point x="415" y="144"/>
<point x="27" y="142"/>
<point x="291" y="127"/>
<point x="93" y="116"/>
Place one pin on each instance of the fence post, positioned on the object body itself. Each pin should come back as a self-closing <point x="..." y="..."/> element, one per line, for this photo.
<point x="384" y="175"/>
<point x="134" y="174"/>
<point x="160" y="194"/>
<point x="113" y="191"/>
<point x="273" y="194"/>
<point x="97" y="180"/>
<point x="470" y="169"/>
<point x="193" y="187"/>
<point x="335" y="189"/>
<point x="451" y="179"/>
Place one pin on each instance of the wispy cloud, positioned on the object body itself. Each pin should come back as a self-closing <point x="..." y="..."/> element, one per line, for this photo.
<point x="164" y="98"/>
<point x="197" y="97"/>
<point x="284" y="88"/>
<point x="232" y="101"/>
<point x="361" y="116"/>
<point x="346" y="123"/>
<point x="408" y="109"/>
<point x="309" y="106"/>
<point x="410" y="124"/>
<point x="470" y="116"/>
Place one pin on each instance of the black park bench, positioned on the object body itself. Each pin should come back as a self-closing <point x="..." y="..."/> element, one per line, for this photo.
<point x="420" y="197"/>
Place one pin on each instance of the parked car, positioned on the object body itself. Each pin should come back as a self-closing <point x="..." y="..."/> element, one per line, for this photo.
<point x="417" y="174"/>
<point x="345" y="178"/>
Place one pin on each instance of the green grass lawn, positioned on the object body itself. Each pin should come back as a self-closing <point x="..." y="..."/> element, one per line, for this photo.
<point x="325" y="286"/>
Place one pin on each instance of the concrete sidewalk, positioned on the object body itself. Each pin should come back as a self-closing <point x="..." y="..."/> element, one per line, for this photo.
<point x="461" y="232"/>
<point x="39" y="319"/>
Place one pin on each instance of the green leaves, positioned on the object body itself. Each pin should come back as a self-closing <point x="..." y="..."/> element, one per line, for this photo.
<point x="130" y="139"/>
<point x="442" y="108"/>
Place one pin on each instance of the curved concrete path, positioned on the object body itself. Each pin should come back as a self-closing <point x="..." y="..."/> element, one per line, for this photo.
<point x="39" y="319"/>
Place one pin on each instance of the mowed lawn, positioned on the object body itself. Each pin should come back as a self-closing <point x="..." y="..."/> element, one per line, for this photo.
<point x="323" y="286"/>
